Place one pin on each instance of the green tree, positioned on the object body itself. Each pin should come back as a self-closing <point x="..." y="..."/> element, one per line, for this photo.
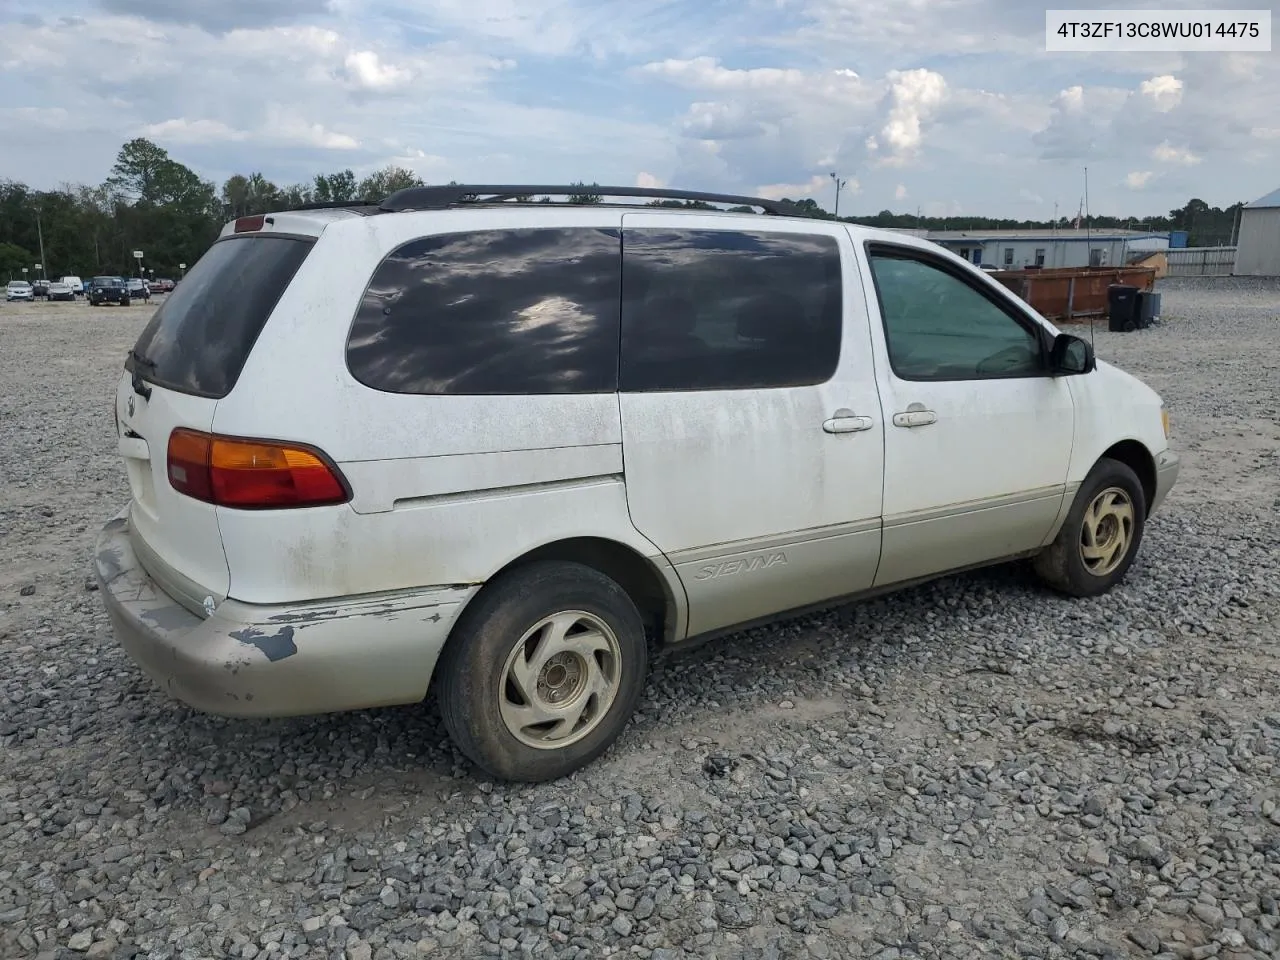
<point x="139" y="168"/>
<point x="585" y="195"/>
<point x="12" y="259"/>
<point x="335" y="187"/>
<point x="382" y="183"/>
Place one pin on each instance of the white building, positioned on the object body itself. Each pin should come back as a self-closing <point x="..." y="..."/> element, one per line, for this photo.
<point x="1015" y="249"/>
<point x="1258" y="244"/>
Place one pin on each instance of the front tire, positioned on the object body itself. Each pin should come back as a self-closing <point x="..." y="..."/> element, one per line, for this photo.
<point x="543" y="671"/>
<point x="1101" y="535"/>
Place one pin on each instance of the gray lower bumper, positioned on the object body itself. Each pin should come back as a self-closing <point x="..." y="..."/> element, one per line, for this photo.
<point x="254" y="660"/>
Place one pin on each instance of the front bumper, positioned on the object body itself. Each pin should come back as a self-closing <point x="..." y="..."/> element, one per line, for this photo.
<point x="253" y="660"/>
<point x="1167" y="467"/>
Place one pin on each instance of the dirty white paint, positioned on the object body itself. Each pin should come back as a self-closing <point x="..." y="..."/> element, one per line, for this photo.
<point x="448" y="490"/>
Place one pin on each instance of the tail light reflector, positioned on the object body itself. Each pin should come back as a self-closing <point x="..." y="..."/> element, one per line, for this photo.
<point x="250" y="224"/>
<point x="252" y="474"/>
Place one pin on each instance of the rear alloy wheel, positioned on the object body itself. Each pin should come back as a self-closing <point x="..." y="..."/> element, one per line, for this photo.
<point x="542" y="671"/>
<point x="1101" y="535"/>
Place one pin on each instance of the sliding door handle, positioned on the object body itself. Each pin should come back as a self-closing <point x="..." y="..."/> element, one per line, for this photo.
<point x="844" y="421"/>
<point x="915" y="418"/>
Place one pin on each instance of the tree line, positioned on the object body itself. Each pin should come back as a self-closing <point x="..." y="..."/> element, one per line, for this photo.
<point x="153" y="203"/>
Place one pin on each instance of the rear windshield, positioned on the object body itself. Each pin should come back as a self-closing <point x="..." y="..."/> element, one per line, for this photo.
<point x="199" y="339"/>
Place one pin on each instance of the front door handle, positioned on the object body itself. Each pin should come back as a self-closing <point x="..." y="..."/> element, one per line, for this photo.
<point x="844" y="421"/>
<point x="915" y="416"/>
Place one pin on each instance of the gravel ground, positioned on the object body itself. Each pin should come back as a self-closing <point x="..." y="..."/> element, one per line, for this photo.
<point x="973" y="768"/>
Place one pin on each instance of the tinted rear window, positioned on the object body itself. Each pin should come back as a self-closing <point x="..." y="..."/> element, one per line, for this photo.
<point x="729" y="310"/>
<point x="524" y="311"/>
<point x="201" y="336"/>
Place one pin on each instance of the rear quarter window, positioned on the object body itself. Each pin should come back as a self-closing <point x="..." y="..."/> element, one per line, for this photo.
<point x="493" y="312"/>
<point x="197" y="342"/>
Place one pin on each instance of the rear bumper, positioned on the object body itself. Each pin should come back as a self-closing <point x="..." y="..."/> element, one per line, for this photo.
<point x="1167" y="466"/>
<point x="270" y="661"/>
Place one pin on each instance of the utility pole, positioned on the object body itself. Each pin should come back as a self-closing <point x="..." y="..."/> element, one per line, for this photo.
<point x="839" y="184"/>
<point x="44" y="270"/>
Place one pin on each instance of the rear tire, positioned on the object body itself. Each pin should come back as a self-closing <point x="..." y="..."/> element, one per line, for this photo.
<point x="1101" y="535"/>
<point x="543" y="671"/>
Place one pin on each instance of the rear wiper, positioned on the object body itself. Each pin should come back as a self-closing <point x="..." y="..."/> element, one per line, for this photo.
<point x="140" y="363"/>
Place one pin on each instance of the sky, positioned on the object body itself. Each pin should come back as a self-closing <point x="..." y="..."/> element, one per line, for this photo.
<point x="947" y="107"/>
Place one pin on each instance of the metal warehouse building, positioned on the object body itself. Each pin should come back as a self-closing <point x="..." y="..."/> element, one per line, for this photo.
<point x="1014" y="249"/>
<point x="1258" y="243"/>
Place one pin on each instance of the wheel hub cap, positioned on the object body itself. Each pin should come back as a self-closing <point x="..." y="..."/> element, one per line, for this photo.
<point x="1107" y="531"/>
<point x="560" y="680"/>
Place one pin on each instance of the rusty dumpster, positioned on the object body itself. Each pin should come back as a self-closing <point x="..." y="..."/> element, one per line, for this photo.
<point x="1067" y="294"/>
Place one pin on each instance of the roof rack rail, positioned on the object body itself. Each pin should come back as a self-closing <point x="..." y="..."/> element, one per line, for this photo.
<point x="444" y="197"/>
<point x="332" y="205"/>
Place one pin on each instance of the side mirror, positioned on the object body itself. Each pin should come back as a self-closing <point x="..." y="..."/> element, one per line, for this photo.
<point x="1071" y="356"/>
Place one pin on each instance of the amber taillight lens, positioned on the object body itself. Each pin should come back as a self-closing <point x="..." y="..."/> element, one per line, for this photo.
<point x="252" y="474"/>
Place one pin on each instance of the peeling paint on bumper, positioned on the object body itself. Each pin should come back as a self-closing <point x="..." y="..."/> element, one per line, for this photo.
<point x="270" y="661"/>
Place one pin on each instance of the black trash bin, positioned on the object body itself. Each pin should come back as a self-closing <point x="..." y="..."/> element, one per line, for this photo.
<point x="1122" y="307"/>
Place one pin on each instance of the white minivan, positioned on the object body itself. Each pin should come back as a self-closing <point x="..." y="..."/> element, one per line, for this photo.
<point x="462" y="443"/>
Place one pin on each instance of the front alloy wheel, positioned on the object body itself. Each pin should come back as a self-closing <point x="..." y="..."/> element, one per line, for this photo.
<point x="1106" y="531"/>
<point x="1101" y="534"/>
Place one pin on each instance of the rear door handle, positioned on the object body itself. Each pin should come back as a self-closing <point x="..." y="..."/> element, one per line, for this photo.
<point x="844" y="421"/>
<point x="915" y="418"/>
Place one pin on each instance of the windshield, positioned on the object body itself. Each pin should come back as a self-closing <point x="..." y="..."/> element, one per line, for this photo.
<point x="199" y="339"/>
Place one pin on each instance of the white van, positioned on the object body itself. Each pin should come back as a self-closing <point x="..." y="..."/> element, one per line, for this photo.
<point x="500" y="449"/>
<point x="77" y="288"/>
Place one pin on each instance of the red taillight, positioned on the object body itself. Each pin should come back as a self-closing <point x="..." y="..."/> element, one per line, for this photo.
<point x="251" y="474"/>
<point x="250" y="224"/>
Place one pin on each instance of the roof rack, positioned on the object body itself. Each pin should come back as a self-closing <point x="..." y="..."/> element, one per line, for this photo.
<point x="444" y="197"/>
<point x="334" y="205"/>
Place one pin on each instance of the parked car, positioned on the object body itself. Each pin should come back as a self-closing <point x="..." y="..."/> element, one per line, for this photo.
<point x="139" y="289"/>
<point x="40" y="288"/>
<point x="74" y="283"/>
<point x="19" y="290"/>
<point x="163" y="285"/>
<point x="60" y="291"/>
<point x="554" y="435"/>
<point x="108" y="290"/>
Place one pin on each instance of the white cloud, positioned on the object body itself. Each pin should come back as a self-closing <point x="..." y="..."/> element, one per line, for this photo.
<point x="285" y="126"/>
<point x="706" y="73"/>
<point x="1138" y="179"/>
<point x="1071" y="100"/>
<point x="914" y="96"/>
<point x="720" y="121"/>
<point x="900" y="192"/>
<point x="648" y="181"/>
<point x="368" y="71"/>
<point x="777" y="191"/>
<point x="182" y="130"/>
<point x="1167" y="153"/>
<point x="1164" y="91"/>
<point x="720" y="96"/>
